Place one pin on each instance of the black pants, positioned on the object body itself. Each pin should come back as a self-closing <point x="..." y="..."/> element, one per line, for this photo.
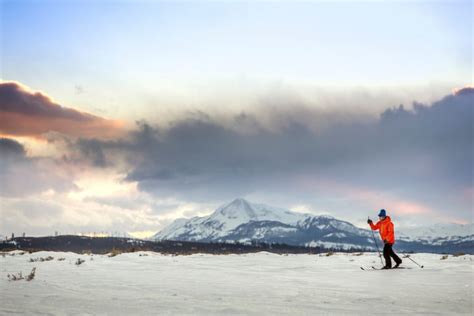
<point x="387" y="253"/>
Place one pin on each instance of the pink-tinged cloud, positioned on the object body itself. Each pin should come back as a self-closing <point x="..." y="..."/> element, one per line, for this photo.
<point x="468" y="90"/>
<point x="374" y="199"/>
<point x="468" y="195"/>
<point x="27" y="113"/>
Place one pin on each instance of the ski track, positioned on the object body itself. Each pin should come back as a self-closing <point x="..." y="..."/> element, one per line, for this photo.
<point x="251" y="284"/>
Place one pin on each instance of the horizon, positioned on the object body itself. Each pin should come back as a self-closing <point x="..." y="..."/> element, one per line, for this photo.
<point x="154" y="111"/>
<point x="150" y="234"/>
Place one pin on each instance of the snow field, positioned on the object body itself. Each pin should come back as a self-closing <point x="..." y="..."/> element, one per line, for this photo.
<point x="144" y="283"/>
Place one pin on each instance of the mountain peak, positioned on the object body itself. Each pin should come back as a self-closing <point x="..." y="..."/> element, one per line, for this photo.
<point x="238" y="208"/>
<point x="325" y="216"/>
<point x="239" y="202"/>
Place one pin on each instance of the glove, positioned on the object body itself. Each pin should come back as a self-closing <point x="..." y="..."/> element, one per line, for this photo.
<point x="369" y="221"/>
<point x="385" y="241"/>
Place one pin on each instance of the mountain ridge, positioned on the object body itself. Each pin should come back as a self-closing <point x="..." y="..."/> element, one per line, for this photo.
<point x="245" y="222"/>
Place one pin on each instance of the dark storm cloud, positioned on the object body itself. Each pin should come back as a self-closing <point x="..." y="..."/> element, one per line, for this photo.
<point x="464" y="91"/>
<point x="425" y="150"/>
<point x="91" y="150"/>
<point x="442" y="132"/>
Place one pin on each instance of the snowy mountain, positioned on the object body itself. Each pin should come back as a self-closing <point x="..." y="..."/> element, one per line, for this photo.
<point x="242" y="221"/>
<point x="432" y="232"/>
<point x="245" y="222"/>
<point x="225" y="220"/>
<point x="439" y="234"/>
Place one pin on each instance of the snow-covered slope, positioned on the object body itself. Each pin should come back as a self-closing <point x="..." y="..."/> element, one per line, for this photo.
<point x="241" y="211"/>
<point x="440" y="235"/>
<point x="436" y="231"/>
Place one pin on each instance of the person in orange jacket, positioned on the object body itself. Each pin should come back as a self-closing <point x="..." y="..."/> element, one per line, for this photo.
<point x="385" y="228"/>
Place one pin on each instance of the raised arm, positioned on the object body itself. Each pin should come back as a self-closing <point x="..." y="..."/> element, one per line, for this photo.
<point x="372" y="226"/>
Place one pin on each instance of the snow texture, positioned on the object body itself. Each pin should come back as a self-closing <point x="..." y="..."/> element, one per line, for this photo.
<point x="443" y="231"/>
<point x="252" y="284"/>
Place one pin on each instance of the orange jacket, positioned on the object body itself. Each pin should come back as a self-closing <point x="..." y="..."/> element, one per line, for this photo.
<point x="385" y="228"/>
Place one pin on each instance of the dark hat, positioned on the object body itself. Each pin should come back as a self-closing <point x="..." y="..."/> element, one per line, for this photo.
<point x="382" y="213"/>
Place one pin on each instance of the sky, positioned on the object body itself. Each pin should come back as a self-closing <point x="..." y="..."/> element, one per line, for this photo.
<point x="121" y="116"/>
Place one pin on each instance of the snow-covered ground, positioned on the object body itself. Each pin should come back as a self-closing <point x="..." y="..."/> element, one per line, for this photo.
<point x="263" y="283"/>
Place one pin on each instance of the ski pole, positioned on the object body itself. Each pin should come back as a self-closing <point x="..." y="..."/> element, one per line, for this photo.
<point x="377" y="245"/>
<point x="408" y="256"/>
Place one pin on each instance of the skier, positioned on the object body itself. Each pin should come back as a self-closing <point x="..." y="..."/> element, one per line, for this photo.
<point x="385" y="227"/>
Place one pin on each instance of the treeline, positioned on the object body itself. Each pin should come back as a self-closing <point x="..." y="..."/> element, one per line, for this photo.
<point x="103" y="245"/>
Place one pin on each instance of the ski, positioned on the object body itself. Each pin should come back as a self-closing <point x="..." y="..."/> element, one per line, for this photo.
<point x="369" y="268"/>
<point x="372" y="268"/>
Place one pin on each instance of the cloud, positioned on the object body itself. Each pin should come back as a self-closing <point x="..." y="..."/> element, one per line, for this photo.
<point x="21" y="175"/>
<point x="423" y="155"/>
<point x="464" y="91"/>
<point x="415" y="161"/>
<point x="10" y="148"/>
<point x="118" y="212"/>
<point x="27" y="113"/>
